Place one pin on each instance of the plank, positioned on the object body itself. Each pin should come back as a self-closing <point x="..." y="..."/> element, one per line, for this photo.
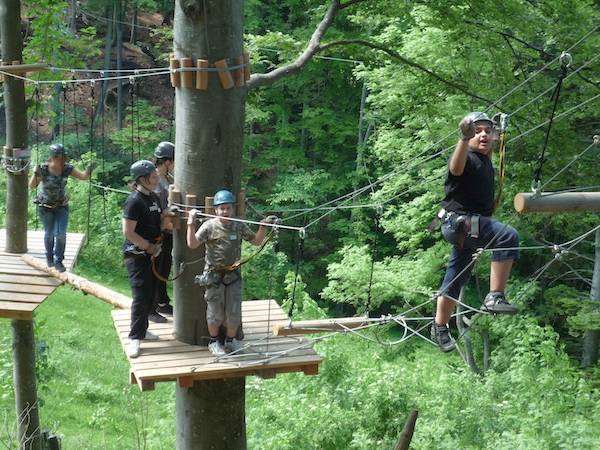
<point x="22" y="279"/>
<point x="21" y="311"/>
<point x="14" y="298"/>
<point x="26" y="288"/>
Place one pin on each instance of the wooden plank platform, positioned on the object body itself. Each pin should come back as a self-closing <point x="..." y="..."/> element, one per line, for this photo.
<point x="264" y="354"/>
<point x="23" y="288"/>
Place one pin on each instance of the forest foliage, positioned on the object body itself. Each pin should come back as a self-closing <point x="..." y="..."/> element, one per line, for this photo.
<point x="421" y="66"/>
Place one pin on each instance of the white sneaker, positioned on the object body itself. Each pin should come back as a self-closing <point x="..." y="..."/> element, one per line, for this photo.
<point x="216" y="348"/>
<point x="134" y="348"/>
<point x="234" y="346"/>
<point x="150" y="336"/>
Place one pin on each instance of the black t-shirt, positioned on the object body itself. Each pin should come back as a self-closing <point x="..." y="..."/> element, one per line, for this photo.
<point x="145" y="210"/>
<point x="473" y="191"/>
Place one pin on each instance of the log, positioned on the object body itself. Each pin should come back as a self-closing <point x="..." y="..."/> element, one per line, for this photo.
<point x="187" y="78"/>
<point x="318" y="326"/>
<point x="18" y="68"/>
<point x="108" y="295"/>
<point x="224" y="74"/>
<point x="175" y="76"/>
<point x="202" y="75"/>
<point x="557" y="202"/>
<point x="407" y="432"/>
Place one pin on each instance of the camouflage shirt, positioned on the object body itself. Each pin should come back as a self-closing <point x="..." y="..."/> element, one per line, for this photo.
<point x="223" y="242"/>
<point x="53" y="190"/>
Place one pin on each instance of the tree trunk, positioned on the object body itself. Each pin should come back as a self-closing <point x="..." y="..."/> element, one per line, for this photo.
<point x="28" y="421"/>
<point x="73" y="16"/>
<point x="208" y="142"/>
<point x="107" y="54"/>
<point x="132" y="35"/>
<point x="591" y="339"/>
<point x="16" y="127"/>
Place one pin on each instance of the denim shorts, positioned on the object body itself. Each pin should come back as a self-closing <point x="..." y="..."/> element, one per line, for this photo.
<point x="492" y="234"/>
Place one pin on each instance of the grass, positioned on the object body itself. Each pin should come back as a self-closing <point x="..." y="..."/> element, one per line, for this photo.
<point x="83" y="380"/>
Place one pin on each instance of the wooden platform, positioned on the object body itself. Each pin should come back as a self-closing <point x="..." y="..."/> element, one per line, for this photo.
<point x="23" y="288"/>
<point x="264" y="355"/>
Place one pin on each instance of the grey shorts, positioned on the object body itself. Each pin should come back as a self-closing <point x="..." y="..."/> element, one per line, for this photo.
<point x="224" y="304"/>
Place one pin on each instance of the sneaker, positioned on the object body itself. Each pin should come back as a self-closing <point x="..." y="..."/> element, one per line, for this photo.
<point x="49" y="261"/>
<point x="495" y="303"/>
<point x="440" y="334"/>
<point x="59" y="266"/>
<point x="151" y="336"/>
<point x="216" y="348"/>
<point x="157" y="318"/>
<point x="165" y="308"/>
<point x="233" y="346"/>
<point x="134" y="348"/>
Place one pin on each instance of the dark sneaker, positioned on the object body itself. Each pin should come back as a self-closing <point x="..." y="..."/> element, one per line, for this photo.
<point x="50" y="262"/>
<point x="233" y="346"/>
<point x="495" y="303"/>
<point x="59" y="266"/>
<point x="440" y="334"/>
<point x="157" y="318"/>
<point x="165" y="308"/>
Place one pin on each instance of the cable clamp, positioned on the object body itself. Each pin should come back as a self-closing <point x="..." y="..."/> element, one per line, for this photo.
<point x="536" y="188"/>
<point x="596" y="139"/>
<point x="559" y="252"/>
<point x="565" y="60"/>
<point x="302" y="233"/>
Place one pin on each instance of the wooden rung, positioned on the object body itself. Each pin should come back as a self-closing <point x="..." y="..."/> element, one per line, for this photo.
<point x="187" y="78"/>
<point x="247" y="66"/>
<point x="202" y="75"/>
<point x="317" y="326"/>
<point x="175" y="76"/>
<point x="557" y="202"/>
<point x="208" y="205"/>
<point x="185" y="382"/>
<point x="190" y="200"/>
<point x="238" y="74"/>
<point x="224" y="74"/>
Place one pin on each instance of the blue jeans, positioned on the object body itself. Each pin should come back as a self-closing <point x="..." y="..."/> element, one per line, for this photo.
<point x="492" y="232"/>
<point x="55" y="222"/>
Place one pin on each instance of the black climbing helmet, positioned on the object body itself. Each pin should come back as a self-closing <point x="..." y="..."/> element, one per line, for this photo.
<point x="165" y="150"/>
<point x="477" y="116"/>
<point x="141" y="168"/>
<point x="58" y="150"/>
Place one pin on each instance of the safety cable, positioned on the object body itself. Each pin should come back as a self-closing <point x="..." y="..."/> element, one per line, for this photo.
<point x="593" y="144"/>
<point x="131" y="97"/>
<point x="299" y="256"/>
<point x="565" y="63"/>
<point x="64" y="112"/>
<point x="92" y="150"/>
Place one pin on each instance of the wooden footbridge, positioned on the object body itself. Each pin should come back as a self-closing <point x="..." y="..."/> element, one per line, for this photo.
<point x="22" y="287"/>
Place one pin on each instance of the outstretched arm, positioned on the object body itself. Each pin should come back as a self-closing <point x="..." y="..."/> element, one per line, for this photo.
<point x="458" y="160"/>
<point x="192" y="240"/>
<point x="259" y="237"/>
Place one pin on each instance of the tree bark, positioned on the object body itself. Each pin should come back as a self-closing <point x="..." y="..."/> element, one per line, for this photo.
<point x="209" y="144"/>
<point x="16" y="127"/>
<point x="591" y="338"/>
<point x="28" y="421"/>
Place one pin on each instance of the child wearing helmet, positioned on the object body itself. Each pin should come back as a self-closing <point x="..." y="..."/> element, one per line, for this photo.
<point x="222" y="277"/>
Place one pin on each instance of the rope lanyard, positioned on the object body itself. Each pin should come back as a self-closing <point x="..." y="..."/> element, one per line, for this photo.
<point x="131" y="97"/>
<point x="76" y="122"/>
<point x="503" y="125"/>
<point x="92" y="144"/>
<point x="565" y="63"/>
<point x="64" y="112"/>
<point x="375" y="249"/>
<point x="296" y="272"/>
<point x="37" y="141"/>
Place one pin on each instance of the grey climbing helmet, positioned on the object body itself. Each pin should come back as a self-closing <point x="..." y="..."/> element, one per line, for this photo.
<point x="141" y="168"/>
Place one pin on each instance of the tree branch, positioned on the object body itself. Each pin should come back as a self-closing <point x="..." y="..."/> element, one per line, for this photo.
<point x="312" y="48"/>
<point x="406" y="61"/>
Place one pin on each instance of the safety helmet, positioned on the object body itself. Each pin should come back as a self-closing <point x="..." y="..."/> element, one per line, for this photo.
<point x="58" y="150"/>
<point x="141" y="168"/>
<point x="477" y="116"/>
<point x="223" y="197"/>
<point x="165" y="150"/>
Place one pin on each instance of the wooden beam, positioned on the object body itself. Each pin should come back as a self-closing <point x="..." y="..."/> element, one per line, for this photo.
<point x="108" y="295"/>
<point x="557" y="202"/>
<point x="318" y="326"/>
<point x="23" y="68"/>
<point x="407" y="432"/>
